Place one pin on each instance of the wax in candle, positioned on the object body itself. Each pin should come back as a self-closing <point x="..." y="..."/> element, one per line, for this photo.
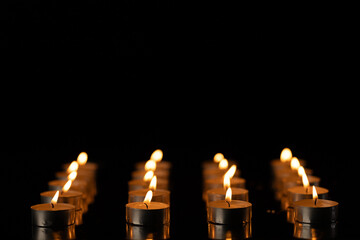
<point x="155" y="213"/>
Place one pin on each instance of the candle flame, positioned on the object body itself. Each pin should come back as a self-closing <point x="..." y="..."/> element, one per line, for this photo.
<point x="231" y="172"/>
<point x="74" y="165"/>
<point x="218" y="157"/>
<point x="55" y="198"/>
<point x="150" y="165"/>
<point x="228" y="195"/>
<point x="72" y="176"/>
<point x="285" y="155"/>
<point x="148" y="176"/>
<point x="153" y="183"/>
<point x="301" y="171"/>
<point x="223" y="164"/>
<point x="294" y="164"/>
<point x="315" y="195"/>
<point x="305" y="181"/>
<point x="157" y="155"/>
<point x="226" y="181"/>
<point x="82" y="158"/>
<point x="67" y="186"/>
<point x="148" y="197"/>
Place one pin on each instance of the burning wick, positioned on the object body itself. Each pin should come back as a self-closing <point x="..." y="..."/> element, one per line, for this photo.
<point x="148" y="198"/>
<point x="54" y="199"/>
<point x="228" y="196"/>
<point x="315" y="195"/>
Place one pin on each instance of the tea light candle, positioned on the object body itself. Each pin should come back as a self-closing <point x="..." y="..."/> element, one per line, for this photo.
<point x="219" y="194"/>
<point x="156" y="156"/>
<point x="137" y="184"/>
<point x="159" y="195"/>
<point x="316" y="211"/>
<point x="147" y="212"/>
<point x="229" y="211"/>
<point x="53" y="214"/>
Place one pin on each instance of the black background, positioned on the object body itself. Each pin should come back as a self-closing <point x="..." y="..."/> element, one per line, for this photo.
<point x="119" y="79"/>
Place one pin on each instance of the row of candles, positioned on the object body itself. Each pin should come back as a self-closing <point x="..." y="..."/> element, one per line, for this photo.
<point x="229" y="211"/>
<point x="63" y="206"/>
<point x="306" y="203"/>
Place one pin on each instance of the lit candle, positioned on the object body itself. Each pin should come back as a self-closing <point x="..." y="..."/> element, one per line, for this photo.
<point x="229" y="211"/>
<point x="66" y="196"/>
<point x="147" y="212"/>
<point x="316" y="211"/>
<point x="137" y="184"/>
<point x="283" y="162"/>
<point x="157" y="156"/>
<point x="159" y="195"/>
<point x="218" y="172"/>
<point x="53" y="214"/>
<point x="150" y="166"/>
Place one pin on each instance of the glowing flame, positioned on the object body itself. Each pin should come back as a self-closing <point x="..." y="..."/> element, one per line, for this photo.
<point x="228" y="195"/>
<point x="73" y="166"/>
<point x="226" y="181"/>
<point x="223" y="164"/>
<point x="148" y="176"/>
<point x="153" y="183"/>
<point x="150" y="165"/>
<point x="294" y="164"/>
<point x="315" y="195"/>
<point x="305" y="181"/>
<point x="72" y="176"/>
<point x="285" y="155"/>
<point x="157" y="155"/>
<point x="218" y="157"/>
<point x="231" y="172"/>
<point x="148" y="197"/>
<point x="67" y="186"/>
<point x="82" y="158"/>
<point x="55" y="198"/>
<point x="301" y="171"/>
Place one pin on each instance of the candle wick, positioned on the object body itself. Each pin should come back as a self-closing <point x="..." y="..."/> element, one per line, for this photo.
<point x="306" y="190"/>
<point x="147" y="207"/>
<point x="315" y="200"/>
<point x="227" y="203"/>
<point x="52" y="205"/>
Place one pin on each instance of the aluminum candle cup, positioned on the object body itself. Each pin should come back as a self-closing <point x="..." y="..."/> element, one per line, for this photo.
<point x="221" y="213"/>
<point x="156" y="214"/>
<point x="141" y="184"/>
<point x="219" y="194"/>
<point x="71" y="197"/>
<point x="325" y="211"/>
<point x="44" y="215"/>
<point x="159" y="195"/>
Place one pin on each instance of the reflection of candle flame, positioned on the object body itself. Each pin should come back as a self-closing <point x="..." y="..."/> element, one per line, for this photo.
<point x="228" y="196"/>
<point x="150" y="165"/>
<point x="148" y="176"/>
<point x="82" y="158"/>
<point x="285" y="155"/>
<point x="223" y="164"/>
<point x="218" y="157"/>
<point x="315" y="195"/>
<point x="55" y="199"/>
<point x="148" y="198"/>
<point x="153" y="183"/>
<point x="294" y="164"/>
<point x="157" y="155"/>
<point x="67" y="186"/>
<point x="73" y="166"/>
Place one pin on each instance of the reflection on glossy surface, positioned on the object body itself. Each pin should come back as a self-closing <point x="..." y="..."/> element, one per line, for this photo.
<point x="147" y="232"/>
<point x="43" y="233"/>
<point x="220" y="231"/>
<point x="311" y="231"/>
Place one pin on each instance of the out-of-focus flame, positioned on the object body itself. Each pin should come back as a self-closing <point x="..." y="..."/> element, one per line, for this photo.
<point x="72" y="176"/>
<point x="67" y="186"/>
<point x="228" y="195"/>
<point x="150" y="165"/>
<point x="231" y="172"/>
<point x="148" y="176"/>
<point x="305" y="181"/>
<point x="301" y="171"/>
<point x="223" y="164"/>
<point x="226" y="181"/>
<point x="153" y="183"/>
<point x="157" y="155"/>
<point x="218" y="157"/>
<point x="82" y="158"/>
<point x="148" y="197"/>
<point x="74" y="165"/>
<point x="294" y="164"/>
<point x="55" y="198"/>
<point x="314" y="194"/>
<point x="285" y="155"/>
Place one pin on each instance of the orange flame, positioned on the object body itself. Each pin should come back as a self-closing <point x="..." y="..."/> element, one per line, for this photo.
<point x="73" y="166"/>
<point x="150" y="165"/>
<point x="223" y="164"/>
<point x="72" y="176"/>
<point x="148" y="197"/>
<point x="228" y="195"/>
<point x="153" y="183"/>
<point x="285" y="155"/>
<point x="82" y="158"/>
<point x="148" y="176"/>
<point x="226" y="181"/>
<point x="315" y="195"/>
<point x="294" y="164"/>
<point x="157" y="155"/>
<point x="67" y="186"/>
<point x="218" y="157"/>
<point x="55" y="198"/>
<point x="231" y="172"/>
